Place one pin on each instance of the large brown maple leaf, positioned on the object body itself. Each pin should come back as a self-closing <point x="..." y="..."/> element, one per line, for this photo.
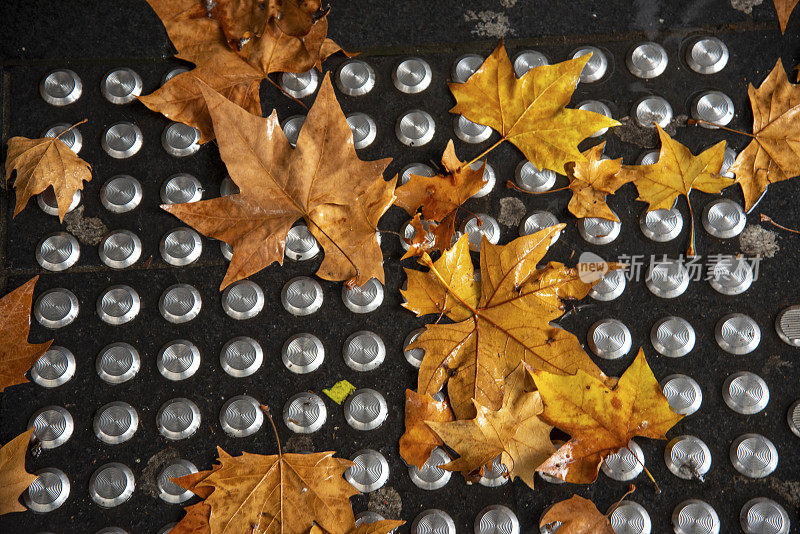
<point x="13" y="477"/>
<point x="16" y="354"/>
<point x="502" y="321"/>
<point x="321" y="180"/>
<point x="577" y="516"/>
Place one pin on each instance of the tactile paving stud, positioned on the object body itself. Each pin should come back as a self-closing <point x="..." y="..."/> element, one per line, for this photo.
<point x="431" y="476"/>
<point x="536" y="221"/>
<point x="122" y="140"/>
<point x="470" y="132"/>
<point x="121" y="86"/>
<point x="496" y="518"/>
<point x="355" y="78"/>
<point x="226" y="250"/>
<point x="597" y="65"/>
<point x="648" y="158"/>
<point x="415" y="128"/>
<point x="610" y="286"/>
<point x="527" y="60"/>
<point x="415" y="169"/>
<point x="530" y="178"/>
<point x="181" y="188"/>
<point x="731" y="275"/>
<point x="683" y="393"/>
<point x="724" y="218"/>
<point x="412" y="75"/>
<point x="793" y="418"/>
<point x="291" y="128"/>
<point x="178" y="360"/>
<point x="687" y="457"/>
<point x="480" y="226"/>
<point x="243" y="299"/>
<point x="369" y="471"/>
<point x="118" y="305"/>
<point x="241" y="416"/>
<point x="363" y="299"/>
<point x="673" y="336"/>
<point x="56" y="308"/>
<point x="625" y="464"/>
<point x="364" y="351"/>
<point x="118" y="363"/>
<point x="228" y="187"/>
<point x="651" y="111"/>
<point x="181" y="246"/>
<point x="363" y="128"/>
<point x="301" y="296"/>
<point x="115" y="423"/>
<point x="72" y="138"/>
<point x="694" y="516"/>
<point x="713" y="107"/>
<point x="61" y="87"/>
<point x="172" y="73"/>
<point x="745" y="392"/>
<point x="365" y="409"/>
<point x="754" y="456"/>
<point x="787" y="325"/>
<point x="112" y="530"/>
<point x="111" y="484"/>
<point x="647" y="60"/>
<point x="707" y="55"/>
<point x="549" y="528"/>
<point x="661" y="225"/>
<point x="180" y="139"/>
<point x="367" y="517"/>
<point x="595" y="106"/>
<point x="413" y="356"/>
<point x="301" y="244"/>
<point x="727" y="160"/>
<point x="737" y="333"/>
<point x="609" y="339"/>
<point x="120" y="249"/>
<point x="178" y="418"/>
<point x="304" y="413"/>
<point x="58" y="251"/>
<point x="629" y="517"/>
<point x="48" y="492"/>
<point x="303" y="353"/>
<point x="169" y="491"/>
<point x="52" y="426"/>
<point x="489" y="178"/>
<point x="598" y="231"/>
<point x="241" y="356"/>
<point x="494" y="473"/>
<point x="764" y="516"/>
<point x="54" y="368"/>
<point x="465" y="66"/>
<point x="667" y="278"/>
<point x="433" y="521"/>
<point x="299" y="85"/>
<point x="48" y="204"/>
<point x="180" y="303"/>
<point x="408" y="232"/>
<point x="121" y="194"/>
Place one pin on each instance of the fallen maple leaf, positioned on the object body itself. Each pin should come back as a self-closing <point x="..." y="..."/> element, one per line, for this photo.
<point x="418" y="441"/>
<point x="195" y="35"/>
<point x="676" y="173"/>
<point x="197" y="515"/>
<point x="591" y="180"/>
<point x="784" y="9"/>
<point x="601" y="420"/>
<point x="16" y="354"/>
<point x="43" y="163"/>
<point x="245" y="19"/>
<point x="514" y="431"/>
<point x="772" y="156"/>
<point x="321" y="180"/>
<point x="507" y="324"/>
<point x="577" y="516"/>
<point x="530" y="111"/>
<point x="13" y="477"/>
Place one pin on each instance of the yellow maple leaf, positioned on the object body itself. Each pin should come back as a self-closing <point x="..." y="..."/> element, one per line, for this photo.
<point x="591" y="180"/>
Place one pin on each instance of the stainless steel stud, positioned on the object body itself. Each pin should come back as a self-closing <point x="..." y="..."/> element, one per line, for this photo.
<point x="494" y="473"/>
<point x="111" y="484"/>
<point x="364" y="351"/>
<point x="180" y="139"/>
<point x="180" y="303"/>
<point x="369" y="471"/>
<point x="415" y="128"/>
<point x="745" y="392"/>
<point x="737" y="333"/>
<point x="72" y="138"/>
<point x="598" y="231"/>
<point x="56" y="308"/>
<point x="52" y="426"/>
<point x="465" y="66"/>
<point x="647" y="60"/>
<point x="58" y="251"/>
<point x="242" y="300"/>
<point x="661" y="225"/>
<point x="54" y="368"/>
<point x="363" y="128"/>
<point x="762" y="515"/>
<point x="417" y="169"/>
<point x="303" y="353"/>
<point x="597" y="65"/>
<point x="532" y="179"/>
<point x="496" y="518"/>
<point x="181" y="246"/>
<point x="365" y="409"/>
<point x="727" y="160"/>
<point x="408" y="232"/>
<point x="694" y="516"/>
<point x="431" y="476"/>
<point x="536" y="221"/>
<point x="489" y="178"/>
<point x="527" y="60"/>
<point x="181" y="188"/>
<point x="226" y="250"/>
<point x="122" y="140"/>
<point x="172" y="73"/>
<point x="61" y="87"/>
<point x="121" y="194"/>
<point x="724" y="218"/>
<point x="610" y="286"/>
<point x="301" y="296"/>
<point x="115" y="423"/>
<point x="178" y="360"/>
<point x="48" y="492"/>
<point x="713" y="107"/>
<point x="228" y="187"/>
<point x="480" y="226"/>
<point x="355" y="78"/>
<point x="121" y="86"/>
<point x="367" y="517"/>
<point x="595" y="106"/>
<point x="470" y="132"/>
<point x="651" y="111"/>
<point x="117" y="363"/>
<point x="169" y="491"/>
<point x="412" y="75"/>
<point x="609" y="339"/>
<point x="707" y="55"/>
<point x="629" y="517"/>
<point x="118" y="305"/>
<point x="793" y="418"/>
<point x="787" y="325"/>
<point x="178" y="418"/>
<point x="672" y="336"/>
<point x="687" y="457"/>
<point x="299" y="85"/>
<point x="301" y="244"/>
<point x="753" y="455"/>
<point x="291" y="128"/>
<point x="120" y="249"/>
<point x="731" y="275"/>
<point x="48" y="204"/>
<point x="363" y="299"/>
<point x="648" y="158"/>
<point x="667" y="278"/>
<point x="413" y="356"/>
<point x="433" y="521"/>
<point x="683" y="394"/>
<point x="241" y="356"/>
<point x="241" y="416"/>
<point x="304" y="413"/>
<point x="625" y="464"/>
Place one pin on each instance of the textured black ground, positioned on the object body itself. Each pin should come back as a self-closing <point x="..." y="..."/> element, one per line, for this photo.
<point x="98" y="36"/>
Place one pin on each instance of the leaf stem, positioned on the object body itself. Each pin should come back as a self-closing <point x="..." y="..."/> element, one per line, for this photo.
<point x="690" y="251"/>
<point x="693" y="122"/>
<point x="512" y="185"/>
<point x="479" y="156"/>
<point x="266" y="410"/>
<point x="71" y="127"/>
<point x="767" y="219"/>
<point x="646" y="472"/>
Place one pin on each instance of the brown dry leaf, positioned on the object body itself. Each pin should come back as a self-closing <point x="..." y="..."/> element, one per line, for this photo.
<point x="245" y="19"/>
<point x="194" y="34"/>
<point x="784" y="9"/>
<point x="530" y="111"/>
<point x="591" y="180"/>
<point x="385" y="526"/>
<point x="321" y="180"/>
<point x="507" y="325"/>
<point x="514" y="431"/>
<point x="774" y="153"/>
<point x="601" y="420"/>
<point x="288" y="493"/>
<point x="13" y="477"/>
<point x="16" y="354"/>
<point x="577" y="516"/>
<point x="43" y="163"/>
<point x="195" y="521"/>
<point x="418" y="441"/>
